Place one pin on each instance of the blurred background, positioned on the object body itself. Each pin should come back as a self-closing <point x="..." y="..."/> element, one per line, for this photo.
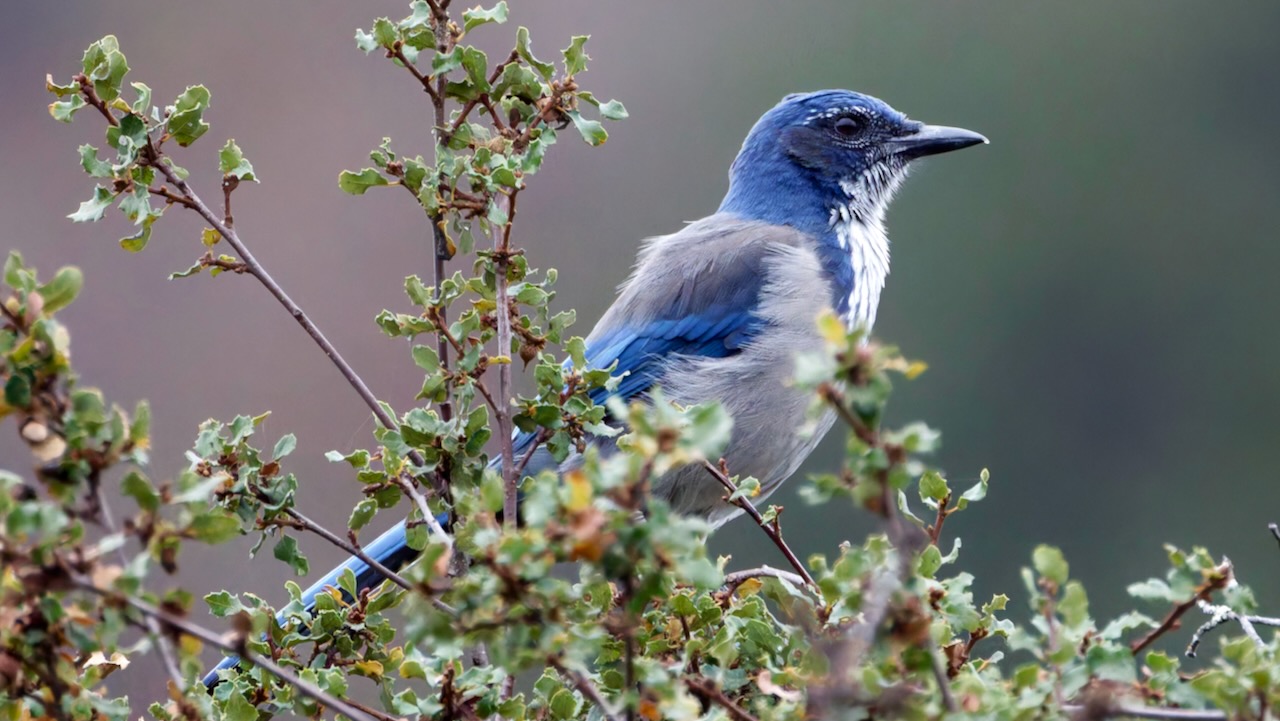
<point x="1094" y="292"/>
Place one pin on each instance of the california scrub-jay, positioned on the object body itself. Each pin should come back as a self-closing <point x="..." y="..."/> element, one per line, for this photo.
<point x="718" y="310"/>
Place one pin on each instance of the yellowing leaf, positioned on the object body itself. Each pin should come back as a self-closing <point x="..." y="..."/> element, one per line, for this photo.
<point x="371" y="669"/>
<point x="579" y="491"/>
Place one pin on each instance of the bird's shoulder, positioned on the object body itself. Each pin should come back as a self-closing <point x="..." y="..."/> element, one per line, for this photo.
<point x="721" y="261"/>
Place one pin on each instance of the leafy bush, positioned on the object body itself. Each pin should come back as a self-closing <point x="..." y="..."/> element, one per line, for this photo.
<point x="578" y="611"/>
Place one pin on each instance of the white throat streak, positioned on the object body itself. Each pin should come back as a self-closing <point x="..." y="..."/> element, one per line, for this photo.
<point x="859" y="225"/>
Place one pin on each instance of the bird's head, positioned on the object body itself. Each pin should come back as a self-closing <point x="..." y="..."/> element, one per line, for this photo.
<point x="815" y="151"/>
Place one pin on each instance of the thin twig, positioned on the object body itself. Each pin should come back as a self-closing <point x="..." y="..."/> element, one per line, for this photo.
<point x="944" y="682"/>
<point x="736" y="578"/>
<point x="1217" y="582"/>
<point x="1220" y="614"/>
<point x="706" y="689"/>
<point x="397" y="52"/>
<point x="171" y="196"/>
<point x="351" y="548"/>
<point x="182" y="625"/>
<point x="1121" y="710"/>
<point x="427" y="517"/>
<point x="585" y="687"/>
<point x="502" y="260"/>
<point x="770" y="530"/>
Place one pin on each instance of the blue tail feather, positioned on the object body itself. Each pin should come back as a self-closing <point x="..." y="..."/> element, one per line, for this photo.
<point x="391" y="549"/>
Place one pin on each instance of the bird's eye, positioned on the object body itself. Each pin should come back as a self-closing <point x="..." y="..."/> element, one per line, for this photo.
<point x="848" y="126"/>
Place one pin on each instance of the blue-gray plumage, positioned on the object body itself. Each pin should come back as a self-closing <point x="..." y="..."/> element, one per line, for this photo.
<point x="718" y="310"/>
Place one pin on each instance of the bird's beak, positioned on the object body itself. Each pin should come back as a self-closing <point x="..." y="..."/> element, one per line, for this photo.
<point x="933" y="139"/>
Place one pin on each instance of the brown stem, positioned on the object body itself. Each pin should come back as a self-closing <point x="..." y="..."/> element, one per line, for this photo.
<point x="771" y="530"/>
<point x="502" y="261"/>
<point x="171" y="197"/>
<point x="91" y="97"/>
<point x="704" y="688"/>
<point x="585" y="687"/>
<point x="309" y="525"/>
<point x="397" y="52"/>
<point x="1219" y="581"/>
<point x="1121" y="710"/>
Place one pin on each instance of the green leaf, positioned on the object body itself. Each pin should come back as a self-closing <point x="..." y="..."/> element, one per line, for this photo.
<point x="284" y="446"/>
<point x="976" y="492"/>
<point x="92" y="165"/>
<point x="186" y="119"/>
<point x="143" y="102"/>
<point x="933" y="487"/>
<point x="64" y="110"/>
<point x="930" y="561"/>
<point x="1050" y="563"/>
<point x="478" y="16"/>
<point x="546" y="70"/>
<point x="13" y="270"/>
<point x="17" y="391"/>
<point x="591" y="130"/>
<point x="136" y="242"/>
<point x="215" y="527"/>
<point x="137" y="487"/>
<point x="613" y="110"/>
<point x="426" y="358"/>
<point x="286" y="550"/>
<point x="575" y="57"/>
<point x="92" y="209"/>
<point x="62" y="290"/>
<point x="365" y="41"/>
<point x="231" y="161"/>
<point x="362" y="514"/>
<point x="106" y="67"/>
<point x="358" y="183"/>
<point x="140" y="429"/>
<point x="238" y="708"/>
<point x="61" y="91"/>
<point x="384" y="33"/>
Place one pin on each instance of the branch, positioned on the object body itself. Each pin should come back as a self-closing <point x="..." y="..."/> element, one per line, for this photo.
<point x="943" y="680"/>
<point x="1222" y="614"/>
<point x="704" y="688"/>
<point x="1219" y="581"/>
<point x="770" y="529"/>
<point x="736" y="578"/>
<point x="502" y="260"/>
<point x="1121" y="710"/>
<point x="427" y="517"/>
<point x="171" y="197"/>
<point x="351" y="548"/>
<point x="397" y="52"/>
<point x="585" y="687"/>
<point x="182" y="625"/>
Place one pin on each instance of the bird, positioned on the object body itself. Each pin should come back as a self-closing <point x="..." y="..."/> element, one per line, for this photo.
<point x="718" y="310"/>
